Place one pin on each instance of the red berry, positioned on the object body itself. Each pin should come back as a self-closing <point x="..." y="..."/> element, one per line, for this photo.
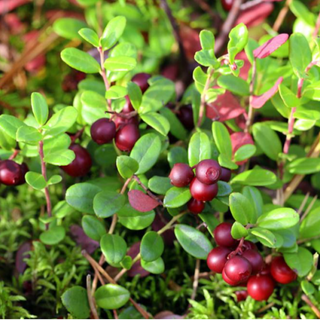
<point x="103" y="131"/>
<point x="195" y="206"/>
<point x="217" y="259"/>
<point x="241" y="295"/>
<point x="227" y="279"/>
<point x="227" y="4"/>
<point x="185" y="115"/>
<point x="181" y="175"/>
<point x="120" y="121"/>
<point x="225" y="174"/>
<point x="203" y="192"/>
<point x="24" y="169"/>
<point x="281" y="272"/>
<point x="10" y="173"/>
<point x="255" y="259"/>
<point x="126" y="137"/>
<point x="222" y="235"/>
<point x="238" y="269"/>
<point x="248" y="245"/>
<point x="82" y="163"/>
<point x="141" y="79"/>
<point x="128" y="106"/>
<point x="208" y="171"/>
<point x="260" y="287"/>
<point x="265" y="270"/>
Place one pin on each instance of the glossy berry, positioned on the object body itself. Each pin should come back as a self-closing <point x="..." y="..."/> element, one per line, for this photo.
<point x="217" y="259"/>
<point x="241" y="295"/>
<point x="195" y="206"/>
<point x="222" y="235"/>
<point x="281" y="272"/>
<point x="208" y="171"/>
<point x="181" y="175"/>
<point x="255" y="259"/>
<point x="120" y="121"/>
<point x="24" y="169"/>
<point x="225" y="174"/>
<point x="227" y="279"/>
<point x="238" y="269"/>
<point x="128" y="106"/>
<point x="185" y="115"/>
<point x="10" y="173"/>
<point x="227" y="4"/>
<point x="260" y="287"/>
<point x="265" y="270"/>
<point x="248" y="245"/>
<point x="203" y="192"/>
<point x="103" y="131"/>
<point x="141" y="79"/>
<point x="126" y="137"/>
<point x="82" y="163"/>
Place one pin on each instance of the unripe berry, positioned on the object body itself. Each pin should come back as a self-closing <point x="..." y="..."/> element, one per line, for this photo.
<point x="260" y="287"/>
<point x="208" y="171"/>
<point x="181" y="175"/>
<point x="141" y="79"/>
<point x="238" y="269"/>
<point x="225" y="174"/>
<point x="195" y="206"/>
<point x="103" y="131"/>
<point x="281" y="272"/>
<point x="126" y="137"/>
<point x="10" y="173"/>
<point x="255" y="259"/>
<point x="203" y="192"/>
<point x="217" y="259"/>
<point x="222" y="235"/>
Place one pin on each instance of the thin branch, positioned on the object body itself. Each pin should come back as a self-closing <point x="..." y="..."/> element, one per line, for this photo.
<point x="309" y="208"/>
<point x="268" y="306"/>
<point x="104" y="76"/>
<point x="303" y="203"/>
<point x="15" y="153"/>
<point x="251" y="110"/>
<point x="91" y="300"/>
<point x="96" y="274"/>
<point x="282" y="14"/>
<point x="306" y="299"/>
<point x="196" y="279"/>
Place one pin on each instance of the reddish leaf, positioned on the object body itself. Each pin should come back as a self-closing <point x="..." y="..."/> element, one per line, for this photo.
<point x="83" y="240"/>
<point x="57" y="14"/>
<point x="14" y="23"/>
<point x="255" y="15"/>
<point x="190" y="40"/>
<point x="270" y="46"/>
<point x="141" y="201"/>
<point x="136" y="267"/>
<point x="246" y="67"/>
<point x="259" y="101"/>
<point x="167" y="315"/>
<point x="21" y="255"/>
<point x="8" y="5"/>
<point x="239" y="139"/>
<point x="226" y="107"/>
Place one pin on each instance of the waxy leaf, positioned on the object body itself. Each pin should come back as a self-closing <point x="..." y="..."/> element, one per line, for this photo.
<point x="28" y="135"/>
<point x="238" y="40"/>
<point x="111" y="296"/>
<point x="155" y="267"/>
<point x="141" y="201"/>
<point x="254" y="196"/>
<point x="156" y="121"/>
<point x="151" y="247"/>
<point x="234" y="84"/>
<point x="39" y="108"/>
<point x="107" y="203"/>
<point x="113" y="247"/>
<point x="222" y="139"/>
<point x="304" y="166"/>
<point x="112" y="32"/>
<point x="126" y="166"/>
<point x="199" y="148"/>
<point x="241" y="209"/>
<point x="176" y="197"/>
<point x="135" y="94"/>
<point x="90" y="36"/>
<point x="10" y="125"/>
<point x="266" y="237"/>
<point x="53" y="236"/>
<point x="310" y="226"/>
<point x="238" y="230"/>
<point x="93" y="227"/>
<point x="255" y="177"/>
<point x="35" y="180"/>
<point x="270" y="46"/>
<point x="282" y="218"/>
<point x="121" y="63"/>
<point x="159" y="185"/>
<point x="68" y="28"/>
<point x="301" y="262"/>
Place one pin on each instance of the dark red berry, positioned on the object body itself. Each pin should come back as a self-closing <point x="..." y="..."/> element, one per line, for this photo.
<point x="141" y="79"/>
<point x="227" y="279"/>
<point x="208" y="171"/>
<point x="241" y="295"/>
<point x="203" y="192"/>
<point x="24" y="169"/>
<point x="260" y="287"/>
<point x="265" y="270"/>
<point x="103" y="131"/>
<point x="185" y="115"/>
<point x="195" y="206"/>
<point x="238" y="269"/>
<point x="255" y="259"/>
<point x="248" y="245"/>
<point x="128" y="106"/>
<point x="222" y="235"/>
<point x="225" y="174"/>
<point x="217" y="259"/>
<point x="82" y="163"/>
<point x="181" y="175"/>
<point x="281" y="272"/>
<point x="121" y="121"/>
<point x="227" y="4"/>
<point x="10" y="173"/>
<point x="126" y="137"/>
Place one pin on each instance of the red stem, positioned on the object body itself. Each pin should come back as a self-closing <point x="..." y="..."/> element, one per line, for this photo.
<point x="103" y="74"/>
<point x="15" y="153"/>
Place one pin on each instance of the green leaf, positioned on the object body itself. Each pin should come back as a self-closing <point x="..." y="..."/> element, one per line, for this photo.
<point x="299" y="54"/>
<point x="62" y="158"/>
<point x="209" y="219"/>
<point x="116" y="92"/>
<point x="126" y="262"/>
<point x="120" y="63"/>
<point x="94" y="106"/>
<point x="200" y="78"/>
<point x="238" y="230"/>
<point x="135" y="94"/>
<point x="53" y="236"/>
<point x="90" y="36"/>
<point x="302" y="12"/>
<point x="80" y="60"/>
<point x="56" y="144"/>
<point x="222" y="139"/>
<point x="127" y="166"/>
<point x="312" y="91"/>
<point x="133" y="219"/>
<point x="159" y="185"/>
<point x="193" y="241"/>
<point x="93" y="227"/>
<point x="255" y="177"/>
<point x="241" y="209"/>
<point x="146" y="152"/>
<point x="112" y="32"/>
<point x="28" y="135"/>
<point x="177" y="155"/>
<point x="6" y="142"/>
<point x="176" y="197"/>
<point x="282" y="218"/>
<point x="199" y="148"/>
<point x="234" y="84"/>
<point x="304" y="166"/>
<point x="35" y="180"/>
<point x="10" y="125"/>
<point x="113" y="247"/>
<point x="255" y="198"/>
<point x="176" y="127"/>
<point x="226" y="162"/>
<point x="151" y="247"/>
<point x="307" y="287"/>
<point x="54" y="180"/>
<point x="310" y="226"/>
<point x="39" y="108"/>
<point x="157" y="122"/>
<point x="301" y="262"/>
<point x="75" y="300"/>
<point x="288" y="97"/>
<point x="80" y="196"/>
<point x="224" y="189"/>
<point x="207" y="58"/>
<point x="244" y="152"/>
<point x="107" y="203"/>
<point x="238" y="40"/>
<point x="267" y="140"/>
<point x="111" y="296"/>
<point x="68" y="28"/>
<point x="206" y="40"/>
<point x="266" y="237"/>
<point x="155" y="267"/>
<point x="61" y="121"/>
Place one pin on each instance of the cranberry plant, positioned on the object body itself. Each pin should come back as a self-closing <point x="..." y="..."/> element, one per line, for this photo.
<point x="134" y="159"/>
